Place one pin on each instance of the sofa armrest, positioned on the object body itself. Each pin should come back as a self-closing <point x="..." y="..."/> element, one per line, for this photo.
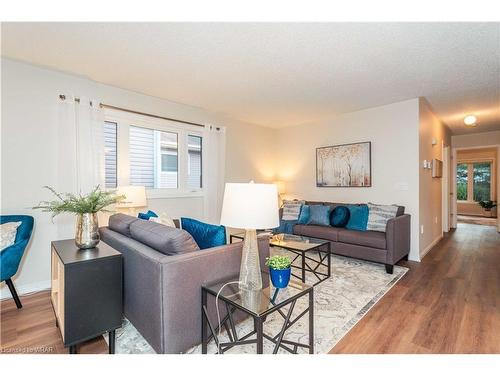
<point x="183" y="276"/>
<point x="398" y="238"/>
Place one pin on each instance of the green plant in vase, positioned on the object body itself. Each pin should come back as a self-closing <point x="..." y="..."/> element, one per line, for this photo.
<point x="280" y="268"/>
<point x="85" y="207"/>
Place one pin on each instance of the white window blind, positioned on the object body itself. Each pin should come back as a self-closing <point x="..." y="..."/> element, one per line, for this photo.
<point x="110" y="154"/>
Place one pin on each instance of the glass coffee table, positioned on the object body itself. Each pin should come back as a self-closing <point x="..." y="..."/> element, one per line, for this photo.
<point x="258" y="305"/>
<point x="311" y="255"/>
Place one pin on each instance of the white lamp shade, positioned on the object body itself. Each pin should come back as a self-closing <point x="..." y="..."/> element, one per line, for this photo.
<point x="135" y="196"/>
<point x="250" y="206"/>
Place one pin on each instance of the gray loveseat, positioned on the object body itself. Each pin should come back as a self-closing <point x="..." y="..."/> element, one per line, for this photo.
<point x="163" y="274"/>
<point x="387" y="248"/>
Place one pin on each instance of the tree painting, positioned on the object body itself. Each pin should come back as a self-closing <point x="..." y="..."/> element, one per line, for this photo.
<point x="344" y="165"/>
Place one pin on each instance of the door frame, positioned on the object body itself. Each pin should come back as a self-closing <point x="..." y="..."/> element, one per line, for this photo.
<point x="445" y="189"/>
<point x="454" y="207"/>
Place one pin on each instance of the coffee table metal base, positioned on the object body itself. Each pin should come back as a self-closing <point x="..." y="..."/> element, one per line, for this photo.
<point x="315" y="268"/>
<point x="258" y="330"/>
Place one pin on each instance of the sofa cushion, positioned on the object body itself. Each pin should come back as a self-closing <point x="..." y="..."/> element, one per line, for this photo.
<point x="358" y="217"/>
<point x="319" y="215"/>
<point x="205" y="235"/>
<point x="291" y="209"/>
<point x="363" y="238"/>
<point x="401" y="210"/>
<point x="147" y="215"/>
<point x="378" y="216"/>
<point x="167" y="240"/>
<point x="318" y="231"/>
<point x="305" y="213"/>
<point x="340" y="216"/>
<point x="121" y="223"/>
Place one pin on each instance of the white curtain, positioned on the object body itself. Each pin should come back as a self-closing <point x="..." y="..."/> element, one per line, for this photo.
<point x="81" y="145"/>
<point x="214" y="157"/>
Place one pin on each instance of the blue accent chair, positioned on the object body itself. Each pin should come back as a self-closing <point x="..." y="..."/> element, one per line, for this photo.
<point x="10" y="257"/>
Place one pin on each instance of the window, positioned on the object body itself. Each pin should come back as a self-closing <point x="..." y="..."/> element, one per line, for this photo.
<point x="110" y="163"/>
<point x="194" y="162"/>
<point x="153" y="158"/>
<point x="482" y="181"/>
<point x="474" y="181"/>
<point x="462" y="171"/>
<point x="164" y="156"/>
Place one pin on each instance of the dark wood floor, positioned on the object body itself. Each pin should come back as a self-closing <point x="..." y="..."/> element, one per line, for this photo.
<point x="448" y="303"/>
<point x="32" y="329"/>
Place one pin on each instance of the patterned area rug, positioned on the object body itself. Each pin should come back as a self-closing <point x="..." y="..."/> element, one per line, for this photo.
<point x="340" y="302"/>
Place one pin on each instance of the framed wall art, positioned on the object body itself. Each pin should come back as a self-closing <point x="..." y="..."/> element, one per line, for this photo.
<point x="346" y="165"/>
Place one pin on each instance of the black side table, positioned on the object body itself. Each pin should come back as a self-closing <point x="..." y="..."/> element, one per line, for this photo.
<point x="258" y="305"/>
<point x="86" y="292"/>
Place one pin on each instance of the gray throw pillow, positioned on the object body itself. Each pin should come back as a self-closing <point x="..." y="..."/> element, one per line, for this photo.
<point x="379" y="215"/>
<point x="166" y="240"/>
<point x="291" y="209"/>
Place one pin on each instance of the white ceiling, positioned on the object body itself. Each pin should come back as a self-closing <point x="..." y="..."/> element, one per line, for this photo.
<point x="278" y="74"/>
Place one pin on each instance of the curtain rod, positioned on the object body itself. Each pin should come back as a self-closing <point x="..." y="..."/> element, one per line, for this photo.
<point x="102" y="105"/>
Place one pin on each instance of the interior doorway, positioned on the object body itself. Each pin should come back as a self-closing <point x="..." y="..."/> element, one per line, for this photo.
<point x="475" y="183"/>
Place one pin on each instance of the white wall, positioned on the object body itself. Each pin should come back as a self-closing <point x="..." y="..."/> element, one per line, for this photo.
<point x="29" y="141"/>
<point x="476" y="139"/>
<point x="394" y="132"/>
<point x="430" y="189"/>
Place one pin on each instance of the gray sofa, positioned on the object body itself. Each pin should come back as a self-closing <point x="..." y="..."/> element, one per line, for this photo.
<point x="163" y="274"/>
<point x="387" y="248"/>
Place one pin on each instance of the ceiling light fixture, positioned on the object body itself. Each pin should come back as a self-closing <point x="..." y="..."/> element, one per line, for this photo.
<point x="470" y="120"/>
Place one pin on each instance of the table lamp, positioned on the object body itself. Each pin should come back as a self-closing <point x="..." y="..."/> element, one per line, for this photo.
<point x="250" y="206"/>
<point x="135" y="197"/>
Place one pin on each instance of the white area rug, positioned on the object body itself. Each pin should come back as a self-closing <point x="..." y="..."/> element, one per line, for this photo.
<point x="340" y="302"/>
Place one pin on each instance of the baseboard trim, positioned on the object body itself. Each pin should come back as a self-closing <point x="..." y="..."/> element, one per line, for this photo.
<point x="24" y="289"/>
<point x="424" y="252"/>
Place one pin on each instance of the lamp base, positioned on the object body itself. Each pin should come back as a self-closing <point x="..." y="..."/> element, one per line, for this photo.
<point x="250" y="276"/>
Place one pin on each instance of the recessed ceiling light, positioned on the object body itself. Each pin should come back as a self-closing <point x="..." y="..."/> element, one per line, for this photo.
<point x="470" y="120"/>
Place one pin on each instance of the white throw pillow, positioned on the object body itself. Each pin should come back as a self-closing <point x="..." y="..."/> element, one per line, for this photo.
<point x="291" y="209"/>
<point x="379" y="215"/>
<point x="163" y="219"/>
<point x="8" y="233"/>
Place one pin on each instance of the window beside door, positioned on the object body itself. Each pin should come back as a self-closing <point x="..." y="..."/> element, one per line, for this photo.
<point x="474" y="181"/>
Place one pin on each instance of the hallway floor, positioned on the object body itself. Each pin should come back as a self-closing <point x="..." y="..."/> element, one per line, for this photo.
<point x="480" y="220"/>
<point x="448" y="303"/>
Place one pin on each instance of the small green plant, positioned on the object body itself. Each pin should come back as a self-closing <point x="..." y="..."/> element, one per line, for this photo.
<point x="488" y="205"/>
<point x="279" y="262"/>
<point x="93" y="202"/>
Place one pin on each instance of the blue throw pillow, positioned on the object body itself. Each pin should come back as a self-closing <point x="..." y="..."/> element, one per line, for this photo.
<point x="340" y="217"/>
<point x="305" y="213"/>
<point x="147" y="215"/>
<point x="205" y="235"/>
<point x="286" y="226"/>
<point x="359" y="217"/>
<point x="319" y="215"/>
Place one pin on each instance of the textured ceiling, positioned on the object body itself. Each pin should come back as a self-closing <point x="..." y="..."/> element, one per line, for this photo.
<point x="278" y="74"/>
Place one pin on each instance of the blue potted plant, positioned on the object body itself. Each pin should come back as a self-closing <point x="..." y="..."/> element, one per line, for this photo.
<point x="280" y="268"/>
